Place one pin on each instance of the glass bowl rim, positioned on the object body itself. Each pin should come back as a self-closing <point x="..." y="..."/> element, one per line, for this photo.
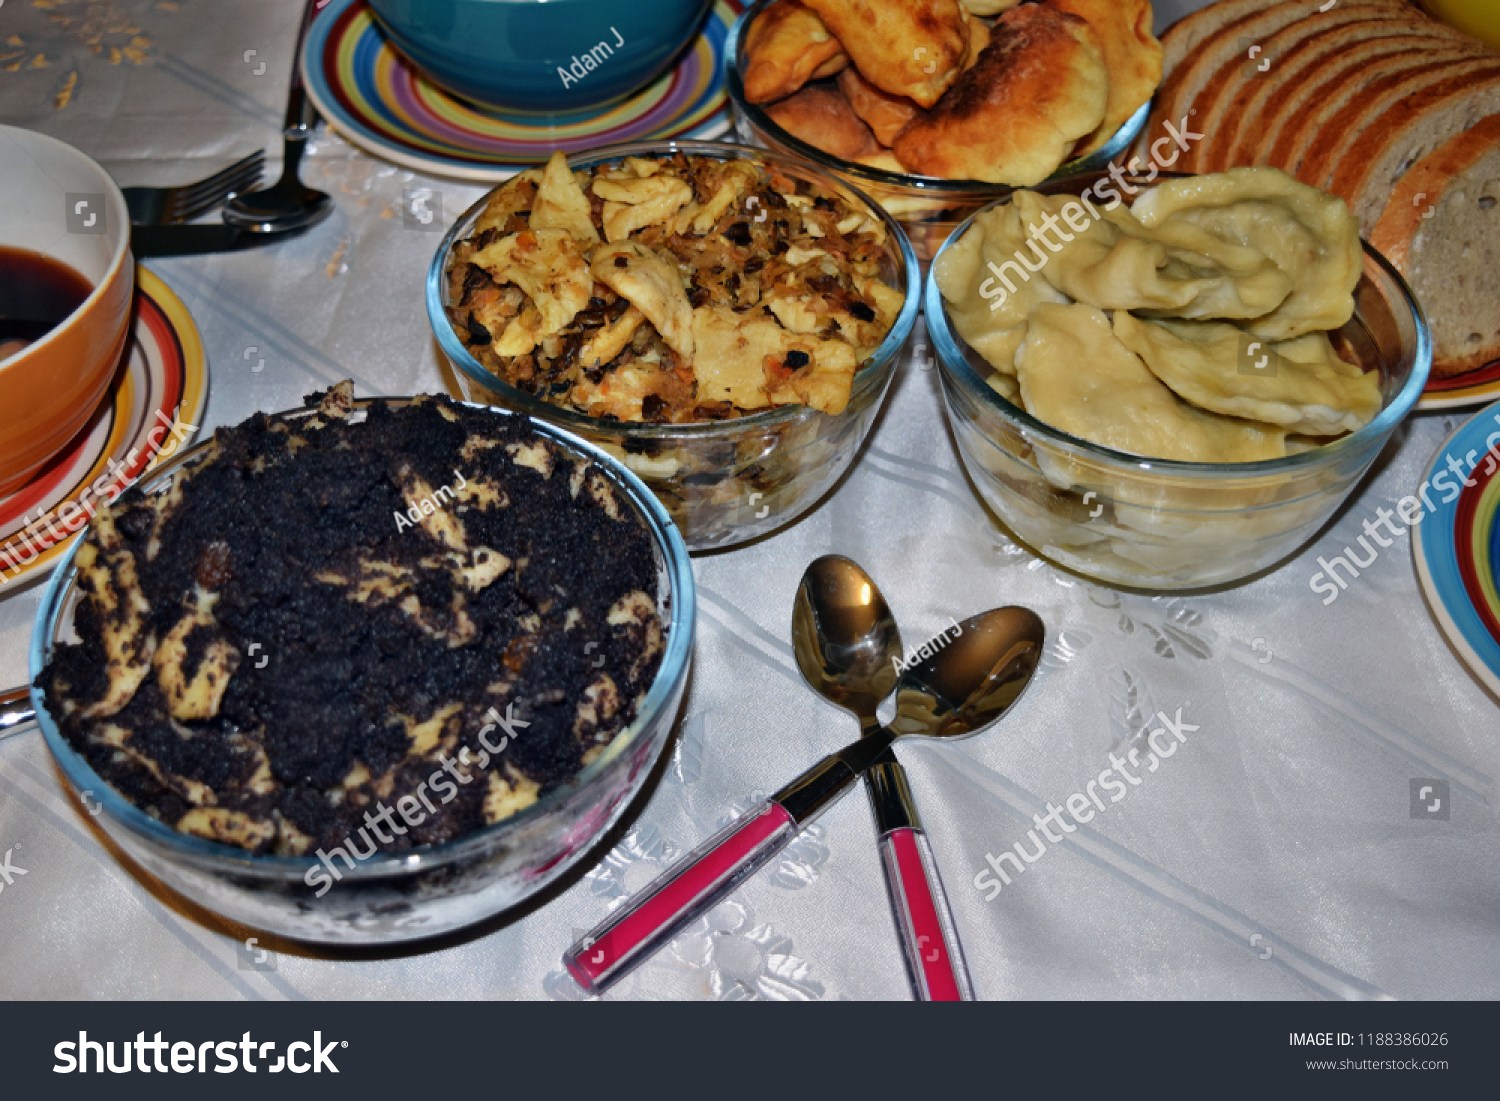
<point x="675" y="660"/>
<point x="882" y="359"/>
<point x="954" y="363"/>
<point x="938" y="186"/>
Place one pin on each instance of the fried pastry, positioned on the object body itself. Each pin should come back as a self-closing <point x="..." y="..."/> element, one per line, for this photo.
<point x="884" y="113"/>
<point x="785" y="48"/>
<point x="912" y="48"/>
<point x="1038" y="87"/>
<point x="825" y="120"/>
<point x="1132" y="55"/>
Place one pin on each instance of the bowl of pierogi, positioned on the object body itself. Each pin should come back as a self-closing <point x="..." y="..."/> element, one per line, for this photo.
<point x="1171" y="381"/>
<point x="936" y="108"/>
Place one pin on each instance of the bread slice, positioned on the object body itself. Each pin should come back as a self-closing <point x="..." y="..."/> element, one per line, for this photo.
<point x="1277" y="52"/>
<point x="1183" y="36"/>
<point x="1322" y="84"/>
<point x="1441" y="229"/>
<point x="1255" y="106"/>
<point x="1405" y="133"/>
<point x="1338" y="133"/>
<point x="1174" y="99"/>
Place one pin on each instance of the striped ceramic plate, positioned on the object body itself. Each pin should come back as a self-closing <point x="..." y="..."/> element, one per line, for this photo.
<point x="377" y="99"/>
<point x="1458" y="547"/>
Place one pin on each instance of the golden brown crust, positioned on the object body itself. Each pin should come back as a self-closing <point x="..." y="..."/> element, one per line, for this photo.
<point x="785" y="47"/>
<point x="824" y="119"/>
<point x="910" y="48"/>
<point x="884" y="113"/>
<point x="1132" y="55"/>
<point x="1013" y="118"/>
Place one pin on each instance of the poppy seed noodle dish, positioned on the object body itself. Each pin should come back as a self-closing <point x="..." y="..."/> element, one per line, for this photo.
<point x="365" y="634"/>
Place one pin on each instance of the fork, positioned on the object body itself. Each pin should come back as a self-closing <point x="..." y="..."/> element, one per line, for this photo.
<point x="165" y="206"/>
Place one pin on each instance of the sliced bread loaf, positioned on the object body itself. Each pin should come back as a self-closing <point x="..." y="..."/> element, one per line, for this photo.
<point x="1274" y="56"/>
<point x="1256" y="104"/>
<point x="1229" y="43"/>
<point x="1339" y="133"/>
<point x="1296" y="102"/>
<point x="1405" y="133"/>
<point x="1441" y="229"/>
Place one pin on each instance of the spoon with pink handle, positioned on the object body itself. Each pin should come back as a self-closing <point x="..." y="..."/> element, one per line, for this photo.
<point x="958" y="691"/>
<point x="848" y="648"/>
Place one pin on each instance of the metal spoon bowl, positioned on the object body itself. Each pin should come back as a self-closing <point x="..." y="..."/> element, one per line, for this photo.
<point x="845" y="637"/>
<point x="954" y="693"/>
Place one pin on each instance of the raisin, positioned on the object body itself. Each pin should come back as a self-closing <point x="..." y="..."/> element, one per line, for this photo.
<point x="214" y="566"/>
<point x="795" y="360"/>
<point x="478" y="334"/>
<point x="860" y="312"/>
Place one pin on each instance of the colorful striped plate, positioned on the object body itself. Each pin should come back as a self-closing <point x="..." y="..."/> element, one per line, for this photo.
<point x="1458" y="547"/>
<point x="377" y="99"/>
<point x="1467" y="389"/>
<point x="154" y="406"/>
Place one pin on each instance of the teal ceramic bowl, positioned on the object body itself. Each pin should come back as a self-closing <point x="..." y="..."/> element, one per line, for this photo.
<point x="541" y="56"/>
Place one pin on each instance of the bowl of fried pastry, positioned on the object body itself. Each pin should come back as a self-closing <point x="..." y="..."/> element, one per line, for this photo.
<point x="935" y="108"/>
<point x="368" y="671"/>
<point x="722" y="320"/>
<point x="1171" y="383"/>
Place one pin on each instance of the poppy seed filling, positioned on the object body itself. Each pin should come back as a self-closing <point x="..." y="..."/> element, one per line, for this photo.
<point x="435" y="609"/>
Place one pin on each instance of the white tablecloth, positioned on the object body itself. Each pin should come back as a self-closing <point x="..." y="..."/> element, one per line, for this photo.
<point x="1272" y="856"/>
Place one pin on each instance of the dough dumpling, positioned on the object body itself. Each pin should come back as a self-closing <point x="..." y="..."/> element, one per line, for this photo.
<point x="1309" y="234"/>
<point x="1076" y="376"/>
<point x="987" y="315"/>
<point x="1178" y="270"/>
<point x="1306" y="388"/>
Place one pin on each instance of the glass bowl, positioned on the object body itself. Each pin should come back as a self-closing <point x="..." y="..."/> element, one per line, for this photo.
<point x="722" y="482"/>
<point x="1161" y="524"/>
<point x="425" y="891"/>
<point x="929" y="207"/>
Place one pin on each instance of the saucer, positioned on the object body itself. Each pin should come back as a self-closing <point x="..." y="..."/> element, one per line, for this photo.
<point x="153" y="407"/>
<point x="372" y="95"/>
